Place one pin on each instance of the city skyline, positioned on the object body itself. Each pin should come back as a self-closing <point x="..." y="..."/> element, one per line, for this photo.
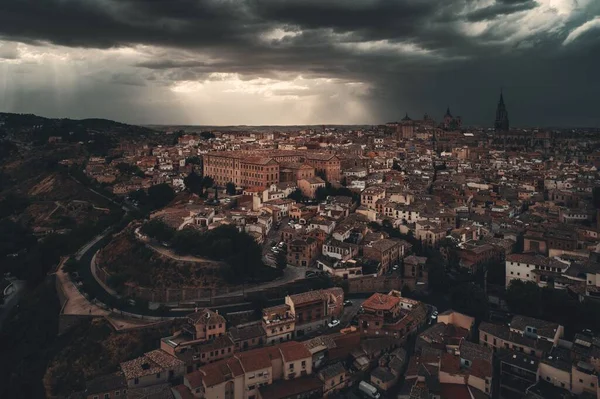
<point x="301" y="62"/>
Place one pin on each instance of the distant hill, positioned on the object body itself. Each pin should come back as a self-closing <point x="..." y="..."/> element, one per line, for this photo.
<point x="16" y="121"/>
<point x="250" y="128"/>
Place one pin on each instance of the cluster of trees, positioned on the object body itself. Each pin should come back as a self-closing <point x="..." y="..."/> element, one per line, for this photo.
<point x="128" y="169"/>
<point x="527" y="298"/>
<point x="157" y="196"/>
<point x="197" y="184"/>
<point x="226" y="243"/>
<point x="323" y="192"/>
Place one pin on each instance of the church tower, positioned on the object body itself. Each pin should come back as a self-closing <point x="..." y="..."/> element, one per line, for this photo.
<point x="501" y="123"/>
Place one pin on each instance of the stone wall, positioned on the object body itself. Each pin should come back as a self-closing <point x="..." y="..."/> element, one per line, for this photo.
<point x="370" y="284"/>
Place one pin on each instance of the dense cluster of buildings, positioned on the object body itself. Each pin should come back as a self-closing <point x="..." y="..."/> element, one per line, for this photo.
<point x="368" y="205"/>
<point x="290" y="353"/>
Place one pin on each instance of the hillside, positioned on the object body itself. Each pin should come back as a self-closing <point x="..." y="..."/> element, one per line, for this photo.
<point x="130" y="261"/>
<point x="93" y="349"/>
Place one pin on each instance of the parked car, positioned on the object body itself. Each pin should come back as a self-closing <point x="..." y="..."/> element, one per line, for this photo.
<point x="368" y="390"/>
<point x="334" y="323"/>
<point x="347" y="302"/>
<point x="396" y="267"/>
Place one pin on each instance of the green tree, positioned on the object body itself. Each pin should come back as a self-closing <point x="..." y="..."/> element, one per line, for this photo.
<point x="139" y="195"/>
<point x="524" y="298"/>
<point x="207" y="135"/>
<point x="321" y="194"/>
<point x="470" y="299"/>
<point x="160" y="195"/>
<point x="437" y="277"/>
<point x="297" y="195"/>
<point x="193" y="182"/>
<point x="158" y="229"/>
<point x="128" y="169"/>
<point x="186" y="241"/>
<point x="195" y="160"/>
<point x="207" y="182"/>
<point x="230" y="188"/>
<point x="281" y="260"/>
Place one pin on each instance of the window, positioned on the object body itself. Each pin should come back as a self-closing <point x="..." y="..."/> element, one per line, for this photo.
<point x="291" y="366"/>
<point x="157" y="375"/>
<point x="303" y="363"/>
<point x="95" y="396"/>
<point x="580" y="380"/>
<point x="117" y="393"/>
<point x="106" y="396"/>
<point x="136" y="381"/>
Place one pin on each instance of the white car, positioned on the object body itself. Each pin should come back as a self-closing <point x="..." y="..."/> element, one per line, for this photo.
<point x="334" y="323"/>
<point x="434" y="315"/>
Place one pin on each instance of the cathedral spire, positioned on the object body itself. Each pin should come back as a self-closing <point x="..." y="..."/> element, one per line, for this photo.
<point x="501" y="123"/>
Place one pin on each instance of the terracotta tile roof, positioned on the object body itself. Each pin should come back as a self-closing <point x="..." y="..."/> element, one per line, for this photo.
<point x="182" y="391"/>
<point x="291" y="388"/>
<point x="331" y="371"/>
<point x="379" y="301"/>
<point x="163" y="359"/>
<point x="254" y="360"/>
<point x="544" y="328"/>
<point x="292" y="351"/>
<point x="450" y="363"/>
<point x="247" y="332"/>
<point x="195" y="378"/>
<point x="139" y="367"/>
<point x="455" y="391"/>
<point x="205" y="316"/>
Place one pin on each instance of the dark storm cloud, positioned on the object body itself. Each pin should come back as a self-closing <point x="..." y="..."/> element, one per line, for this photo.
<point x="417" y="54"/>
<point x="501" y="8"/>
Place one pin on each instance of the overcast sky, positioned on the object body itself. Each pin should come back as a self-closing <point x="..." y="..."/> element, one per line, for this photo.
<point x="301" y="61"/>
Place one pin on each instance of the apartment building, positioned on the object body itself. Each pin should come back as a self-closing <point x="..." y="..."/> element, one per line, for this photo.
<point x="279" y="323"/>
<point x="292" y="171"/>
<point x="314" y="309"/>
<point x="388" y="252"/>
<point x="391" y="315"/>
<point x="327" y="165"/>
<point x="309" y="186"/>
<point x="152" y="368"/>
<point x="371" y="195"/>
<point x="244" y="375"/>
<point x="243" y="169"/>
<point x="303" y="251"/>
<point x="518" y="372"/>
<point x="202" y="339"/>
<point x="536" y="268"/>
<point x="339" y="250"/>
<point x="262" y="168"/>
<point x="523" y="334"/>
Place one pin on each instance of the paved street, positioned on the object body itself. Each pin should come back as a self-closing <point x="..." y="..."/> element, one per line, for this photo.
<point x="351" y="311"/>
<point x="274" y="235"/>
